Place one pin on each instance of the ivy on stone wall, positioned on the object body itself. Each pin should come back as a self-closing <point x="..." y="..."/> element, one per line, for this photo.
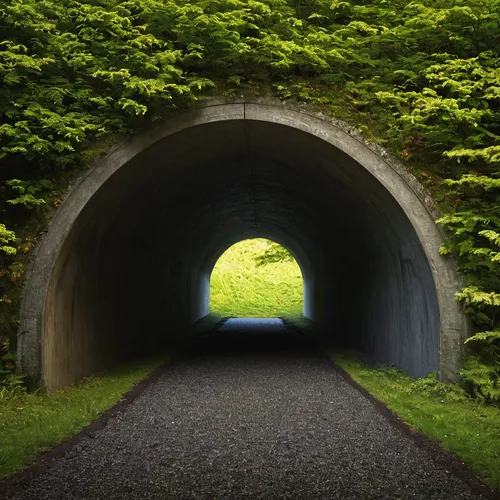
<point x="421" y="77"/>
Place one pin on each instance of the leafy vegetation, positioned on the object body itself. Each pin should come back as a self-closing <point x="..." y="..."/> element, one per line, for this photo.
<point x="466" y="426"/>
<point x="273" y="253"/>
<point x="256" y="278"/>
<point x="421" y="77"/>
<point x="31" y="423"/>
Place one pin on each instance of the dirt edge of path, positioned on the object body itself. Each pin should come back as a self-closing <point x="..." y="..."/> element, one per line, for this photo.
<point x="438" y="454"/>
<point x="19" y="480"/>
<point x="42" y="462"/>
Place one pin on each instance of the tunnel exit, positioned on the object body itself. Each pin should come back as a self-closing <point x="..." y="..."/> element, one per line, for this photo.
<point x="256" y="278"/>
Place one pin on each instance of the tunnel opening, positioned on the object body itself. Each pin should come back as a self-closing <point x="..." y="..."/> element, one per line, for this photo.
<point x="125" y="267"/>
<point x="256" y="278"/>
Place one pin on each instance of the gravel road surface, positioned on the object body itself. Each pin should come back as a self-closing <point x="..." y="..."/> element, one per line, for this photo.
<point x="251" y="412"/>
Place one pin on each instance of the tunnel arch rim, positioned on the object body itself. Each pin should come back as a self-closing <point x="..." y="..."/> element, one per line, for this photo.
<point x="403" y="187"/>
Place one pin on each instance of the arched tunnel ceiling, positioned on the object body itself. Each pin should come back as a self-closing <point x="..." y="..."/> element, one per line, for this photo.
<point x="245" y="177"/>
<point x="134" y="268"/>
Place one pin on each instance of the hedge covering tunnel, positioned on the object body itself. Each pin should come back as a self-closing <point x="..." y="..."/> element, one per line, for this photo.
<point x="126" y="263"/>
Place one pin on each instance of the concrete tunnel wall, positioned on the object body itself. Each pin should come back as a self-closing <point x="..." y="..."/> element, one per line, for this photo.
<point x="126" y="263"/>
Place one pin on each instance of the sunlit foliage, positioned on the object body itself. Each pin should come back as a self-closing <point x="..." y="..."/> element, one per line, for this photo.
<point x="256" y="278"/>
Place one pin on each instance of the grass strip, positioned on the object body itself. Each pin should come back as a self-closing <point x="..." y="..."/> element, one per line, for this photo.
<point x="468" y="428"/>
<point x="33" y="423"/>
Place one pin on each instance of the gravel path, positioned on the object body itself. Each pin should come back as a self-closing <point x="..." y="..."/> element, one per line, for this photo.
<point x="244" y="417"/>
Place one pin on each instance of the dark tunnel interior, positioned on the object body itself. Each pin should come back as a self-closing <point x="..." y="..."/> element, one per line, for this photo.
<point x="134" y="272"/>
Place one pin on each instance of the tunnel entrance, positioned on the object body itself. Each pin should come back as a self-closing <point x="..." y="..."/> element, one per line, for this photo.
<point x="256" y="278"/>
<point x="125" y="266"/>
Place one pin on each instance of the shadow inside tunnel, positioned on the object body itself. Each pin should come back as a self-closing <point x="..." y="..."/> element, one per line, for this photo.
<point x="240" y="335"/>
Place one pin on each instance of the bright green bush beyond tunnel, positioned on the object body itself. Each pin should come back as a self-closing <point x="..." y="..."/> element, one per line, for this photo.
<point x="256" y="278"/>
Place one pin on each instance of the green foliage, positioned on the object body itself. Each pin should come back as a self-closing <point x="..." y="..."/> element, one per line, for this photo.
<point x="430" y="385"/>
<point x="12" y="388"/>
<point x="7" y="237"/>
<point x="246" y="282"/>
<point x="480" y="372"/>
<point x="476" y="241"/>
<point x="73" y="71"/>
<point x="10" y="383"/>
<point x="26" y="191"/>
<point x="273" y="254"/>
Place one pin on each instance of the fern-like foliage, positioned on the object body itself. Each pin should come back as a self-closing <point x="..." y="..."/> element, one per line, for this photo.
<point x="273" y="254"/>
<point x="7" y="237"/>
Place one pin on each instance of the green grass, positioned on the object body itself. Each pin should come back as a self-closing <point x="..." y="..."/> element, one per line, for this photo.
<point x="468" y="428"/>
<point x="238" y="287"/>
<point x="32" y="423"/>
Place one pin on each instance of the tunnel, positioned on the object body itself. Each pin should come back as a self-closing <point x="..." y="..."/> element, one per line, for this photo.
<point x="125" y="266"/>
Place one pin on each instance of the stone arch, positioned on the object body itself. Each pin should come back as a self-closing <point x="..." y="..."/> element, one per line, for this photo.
<point x="106" y="283"/>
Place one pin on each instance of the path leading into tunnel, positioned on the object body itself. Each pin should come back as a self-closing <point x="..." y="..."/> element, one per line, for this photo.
<point x="252" y="411"/>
